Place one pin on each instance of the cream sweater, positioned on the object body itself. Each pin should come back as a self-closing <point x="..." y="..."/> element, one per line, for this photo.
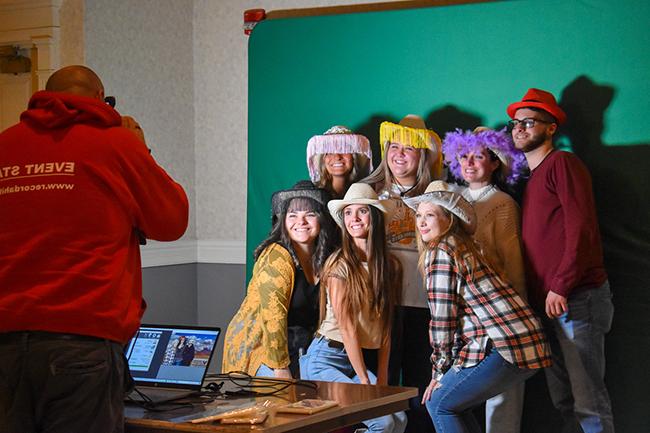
<point x="498" y="234"/>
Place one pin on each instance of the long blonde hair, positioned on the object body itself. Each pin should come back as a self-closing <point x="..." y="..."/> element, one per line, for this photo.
<point x="376" y="288"/>
<point x="428" y="170"/>
<point x="463" y="242"/>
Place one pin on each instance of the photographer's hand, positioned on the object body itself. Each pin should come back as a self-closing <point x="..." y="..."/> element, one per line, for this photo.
<point x="130" y="123"/>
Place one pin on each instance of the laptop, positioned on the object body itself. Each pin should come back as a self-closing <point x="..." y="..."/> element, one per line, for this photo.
<point x="169" y="362"/>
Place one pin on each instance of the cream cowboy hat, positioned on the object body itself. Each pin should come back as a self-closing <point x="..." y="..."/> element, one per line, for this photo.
<point x="359" y="193"/>
<point x="439" y="193"/>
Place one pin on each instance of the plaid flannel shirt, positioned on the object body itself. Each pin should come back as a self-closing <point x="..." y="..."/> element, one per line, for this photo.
<point x="471" y="307"/>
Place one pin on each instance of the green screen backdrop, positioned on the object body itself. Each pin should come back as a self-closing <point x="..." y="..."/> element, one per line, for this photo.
<point x="460" y="66"/>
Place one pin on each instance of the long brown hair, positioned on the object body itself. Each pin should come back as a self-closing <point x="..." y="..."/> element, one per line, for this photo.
<point x="325" y="241"/>
<point x="377" y="287"/>
<point x="428" y="171"/>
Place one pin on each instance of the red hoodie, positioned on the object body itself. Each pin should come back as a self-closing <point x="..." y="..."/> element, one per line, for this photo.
<point x="74" y="187"/>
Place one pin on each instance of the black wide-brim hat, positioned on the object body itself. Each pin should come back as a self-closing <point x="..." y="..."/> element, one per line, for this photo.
<point x="302" y="189"/>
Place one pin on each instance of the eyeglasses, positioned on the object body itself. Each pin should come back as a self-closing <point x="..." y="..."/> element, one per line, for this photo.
<point x="526" y="123"/>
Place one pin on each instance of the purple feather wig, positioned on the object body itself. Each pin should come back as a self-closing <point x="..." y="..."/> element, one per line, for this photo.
<point x="458" y="143"/>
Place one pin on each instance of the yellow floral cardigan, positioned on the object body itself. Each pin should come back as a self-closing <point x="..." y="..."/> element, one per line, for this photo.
<point x="257" y="334"/>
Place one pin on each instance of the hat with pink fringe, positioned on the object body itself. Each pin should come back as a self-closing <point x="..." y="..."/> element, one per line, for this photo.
<point x="459" y="143"/>
<point x="337" y="139"/>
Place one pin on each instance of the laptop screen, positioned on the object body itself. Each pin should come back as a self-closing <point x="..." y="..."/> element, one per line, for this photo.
<point x="168" y="356"/>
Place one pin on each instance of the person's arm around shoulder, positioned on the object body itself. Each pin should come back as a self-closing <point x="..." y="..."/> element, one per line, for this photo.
<point x="336" y="288"/>
<point x="274" y="278"/>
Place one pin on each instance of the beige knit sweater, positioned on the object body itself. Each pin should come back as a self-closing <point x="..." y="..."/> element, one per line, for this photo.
<point x="498" y="235"/>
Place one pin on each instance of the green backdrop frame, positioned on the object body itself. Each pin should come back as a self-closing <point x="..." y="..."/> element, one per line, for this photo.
<point x="460" y="66"/>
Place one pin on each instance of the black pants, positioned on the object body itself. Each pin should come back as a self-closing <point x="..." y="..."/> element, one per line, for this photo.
<point x="410" y="362"/>
<point x="60" y="383"/>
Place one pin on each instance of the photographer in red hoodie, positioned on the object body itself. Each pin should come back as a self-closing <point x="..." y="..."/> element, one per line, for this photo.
<point x="78" y="189"/>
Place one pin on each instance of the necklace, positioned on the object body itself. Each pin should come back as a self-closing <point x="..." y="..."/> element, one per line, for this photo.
<point x="403" y="193"/>
<point x="468" y="195"/>
<point x="401" y="189"/>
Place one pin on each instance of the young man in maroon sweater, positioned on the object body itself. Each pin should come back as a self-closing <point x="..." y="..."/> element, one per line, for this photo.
<point x="78" y="188"/>
<point x="565" y="275"/>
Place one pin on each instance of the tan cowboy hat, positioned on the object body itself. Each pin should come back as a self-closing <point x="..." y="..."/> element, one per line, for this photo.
<point x="439" y="193"/>
<point x="359" y="193"/>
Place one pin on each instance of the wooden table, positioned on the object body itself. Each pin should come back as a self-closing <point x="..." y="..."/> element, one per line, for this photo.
<point x="356" y="403"/>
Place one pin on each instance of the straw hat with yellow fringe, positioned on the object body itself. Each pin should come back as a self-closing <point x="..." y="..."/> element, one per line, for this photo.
<point x="411" y="131"/>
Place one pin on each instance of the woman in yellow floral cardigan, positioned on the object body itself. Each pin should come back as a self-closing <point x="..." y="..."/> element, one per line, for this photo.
<point x="280" y="312"/>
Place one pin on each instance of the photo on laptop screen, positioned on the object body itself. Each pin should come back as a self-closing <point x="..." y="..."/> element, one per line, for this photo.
<point x="171" y="356"/>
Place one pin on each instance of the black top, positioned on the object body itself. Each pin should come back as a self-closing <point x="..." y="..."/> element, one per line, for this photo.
<point x="303" y="308"/>
<point x="302" y="318"/>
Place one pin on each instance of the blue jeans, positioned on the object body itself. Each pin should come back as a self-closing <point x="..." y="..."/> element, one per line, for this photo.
<point x="462" y="389"/>
<point x="332" y="364"/>
<point x="265" y="371"/>
<point x="503" y="411"/>
<point x="576" y="379"/>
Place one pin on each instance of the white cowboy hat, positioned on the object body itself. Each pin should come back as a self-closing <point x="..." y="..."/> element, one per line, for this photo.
<point x="439" y="193"/>
<point x="338" y="139"/>
<point x="359" y="193"/>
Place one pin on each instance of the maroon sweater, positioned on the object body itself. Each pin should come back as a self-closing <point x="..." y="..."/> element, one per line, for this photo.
<point x="562" y="247"/>
<point x="74" y="186"/>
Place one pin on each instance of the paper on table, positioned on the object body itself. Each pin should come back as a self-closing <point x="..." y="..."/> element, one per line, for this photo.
<point x="308" y="406"/>
<point x="216" y="408"/>
<point x="255" y="414"/>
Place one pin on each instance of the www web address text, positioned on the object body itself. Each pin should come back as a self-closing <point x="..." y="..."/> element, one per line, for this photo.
<point x="37" y="187"/>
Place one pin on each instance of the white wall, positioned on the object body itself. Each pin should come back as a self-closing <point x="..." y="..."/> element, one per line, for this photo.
<point x="220" y="79"/>
<point x="180" y="67"/>
<point x="72" y="42"/>
<point x="143" y="51"/>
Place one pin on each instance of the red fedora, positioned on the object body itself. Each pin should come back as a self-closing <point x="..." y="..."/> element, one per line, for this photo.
<point x="538" y="98"/>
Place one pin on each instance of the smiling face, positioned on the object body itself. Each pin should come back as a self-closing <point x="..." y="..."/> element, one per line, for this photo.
<point x="356" y="218"/>
<point x="338" y="164"/>
<point x="403" y="162"/>
<point x="477" y="167"/>
<point x="431" y="220"/>
<point x="529" y="139"/>
<point x="302" y="226"/>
